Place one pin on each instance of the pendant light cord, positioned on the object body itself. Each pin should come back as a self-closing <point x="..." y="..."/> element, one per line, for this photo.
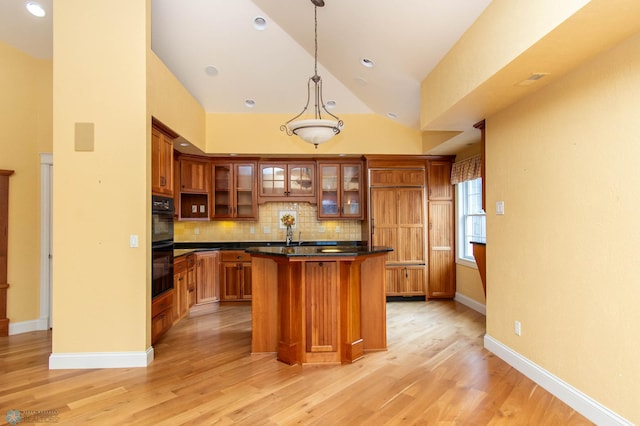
<point x="315" y="9"/>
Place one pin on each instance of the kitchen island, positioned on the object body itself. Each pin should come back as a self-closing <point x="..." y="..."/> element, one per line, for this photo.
<point x="318" y="304"/>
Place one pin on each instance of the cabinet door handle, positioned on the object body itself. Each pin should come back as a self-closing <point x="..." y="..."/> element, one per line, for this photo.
<point x="163" y="181"/>
<point x="373" y="226"/>
<point x="406" y="272"/>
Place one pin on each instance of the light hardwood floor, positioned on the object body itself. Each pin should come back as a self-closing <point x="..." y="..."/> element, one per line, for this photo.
<point x="435" y="372"/>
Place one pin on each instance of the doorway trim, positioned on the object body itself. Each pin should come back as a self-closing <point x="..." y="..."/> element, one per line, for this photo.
<point x="46" y="181"/>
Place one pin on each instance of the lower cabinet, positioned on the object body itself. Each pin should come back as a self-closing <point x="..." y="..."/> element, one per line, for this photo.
<point x="161" y="314"/>
<point x="408" y="280"/>
<point x="180" y="289"/>
<point x="206" y="275"/>
<point x="191" y="279"/>
<point x="235" y="275"/>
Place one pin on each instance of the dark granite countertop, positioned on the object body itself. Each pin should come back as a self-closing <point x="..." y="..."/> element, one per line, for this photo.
<point x="316" y="251"/>
<point x="184" y="248"/>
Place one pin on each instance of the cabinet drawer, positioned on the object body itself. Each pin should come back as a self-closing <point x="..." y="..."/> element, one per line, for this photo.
<point x="179" y="265"/>
<point x="235" y="256"/>
<point x="162" y="303"/>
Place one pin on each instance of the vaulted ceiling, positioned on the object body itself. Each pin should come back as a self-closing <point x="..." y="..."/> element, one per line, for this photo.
<point x="215" y="50"/>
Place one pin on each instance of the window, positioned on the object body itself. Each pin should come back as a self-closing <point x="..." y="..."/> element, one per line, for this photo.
<point x="471" y="218"/>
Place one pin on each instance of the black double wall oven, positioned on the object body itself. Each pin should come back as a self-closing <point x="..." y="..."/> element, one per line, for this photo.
<point x="162" y="244"/>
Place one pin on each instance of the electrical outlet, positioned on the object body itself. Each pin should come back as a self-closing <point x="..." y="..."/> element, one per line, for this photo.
<point x="133" y="241"/>
<point x="196" y="231"/>
<point x="252" y="230"/>
<point x="517" y="328"/>
<point x="337" y="229"/>
<point x="266" y="230"/>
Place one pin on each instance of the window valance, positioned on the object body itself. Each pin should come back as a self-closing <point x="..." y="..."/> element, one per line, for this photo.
<point x="467" y="169"/>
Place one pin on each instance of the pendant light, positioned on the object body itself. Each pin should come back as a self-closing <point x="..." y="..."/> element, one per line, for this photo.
<point x="315" y="130"/>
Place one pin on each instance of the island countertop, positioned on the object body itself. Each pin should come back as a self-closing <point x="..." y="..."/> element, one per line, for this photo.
<point x="318" y="251"/>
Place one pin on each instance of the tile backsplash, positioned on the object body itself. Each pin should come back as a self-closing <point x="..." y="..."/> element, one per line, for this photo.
<point x="269" y="228"/>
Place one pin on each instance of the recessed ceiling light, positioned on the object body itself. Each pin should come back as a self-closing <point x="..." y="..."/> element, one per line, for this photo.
<point x="392" y="115"/>
<point x="211" y="70"/>
<point x="249" y="103"/>
<point x="36" y="9"/>
<point x="184" y="144"/>
<point x="366" y="62"/>
<point x="259" y="23"/>
<point x="361" y="81"/>
<point x="330" y="104"/>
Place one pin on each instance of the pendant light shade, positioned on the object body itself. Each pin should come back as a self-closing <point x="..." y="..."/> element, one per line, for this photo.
<point x="315" y="130"/>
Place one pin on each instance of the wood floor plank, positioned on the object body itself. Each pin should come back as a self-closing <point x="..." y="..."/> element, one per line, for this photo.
<point x="435" y="371"/>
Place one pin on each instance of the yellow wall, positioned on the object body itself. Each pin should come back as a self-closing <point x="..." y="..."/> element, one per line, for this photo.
<point x="25" y="120"/>
<point x="172" y="104"/>
<point x="101" y="287"/>
<point x="260" y="134"/>
<point x="514" y="26"/>
<point x="563" y="259"/>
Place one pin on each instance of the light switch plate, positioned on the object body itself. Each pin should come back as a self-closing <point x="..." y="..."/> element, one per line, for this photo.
<point x="133" y="241"/>
<point x="499" y="207"/>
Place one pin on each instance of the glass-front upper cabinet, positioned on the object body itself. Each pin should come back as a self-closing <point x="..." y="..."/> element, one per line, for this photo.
<point x="287" y="182"/>
<point x="340" y="194"/>
<point x="234" y="192"/>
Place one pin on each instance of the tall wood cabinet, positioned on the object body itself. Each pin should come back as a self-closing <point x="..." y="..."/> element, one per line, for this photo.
<point x="398" y="219"/>
<point x="441" y="237"/>
<point x="411" y="209"/>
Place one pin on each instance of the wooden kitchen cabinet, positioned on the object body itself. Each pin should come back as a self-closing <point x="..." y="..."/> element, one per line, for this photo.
<point x="195" y="178"/>
<point x="442" y="280"/>
<point x="180" y="289"/>
<point x="439" y="185"/>
<point x="399" y="221"/>
<point x="191" y="279"/>
<point x="406" y="280"/>
<point x="207" y="278"/>
<point x="287" y="181"/>
<point x="340" y="190"/>
<point x="234" y="190"/>
<point x="412" y="210"/>
<point x="235" y="275"/>
<point x="161" y="162"/>
<point x="161" y="314"/>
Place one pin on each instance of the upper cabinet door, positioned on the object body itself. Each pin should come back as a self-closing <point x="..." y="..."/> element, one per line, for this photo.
<point x="440" y="187"/>
<point x="222" y="198"/>
<point x="195" y="175"/>
<point x="301" y="180"/>
<point x="246" y="206"/>
<point x="273" y="180"/>
<point x="161" y="163"/>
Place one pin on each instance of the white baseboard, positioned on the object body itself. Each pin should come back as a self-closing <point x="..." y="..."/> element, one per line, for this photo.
<point x="588" y="407"/>
<point x="473" y="304"/>
<point x="27" y="326"/>
<point x="100" y="360"/>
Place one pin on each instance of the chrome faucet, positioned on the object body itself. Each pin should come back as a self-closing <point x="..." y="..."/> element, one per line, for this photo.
<point x="289" y="239"/>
